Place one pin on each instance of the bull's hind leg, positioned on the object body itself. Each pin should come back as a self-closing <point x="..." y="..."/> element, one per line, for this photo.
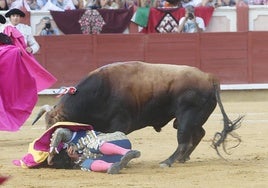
<point x="189" y="122"/>
<point x="199" y="115"/>
<point x="184" y="140"/>
<point x="184" y="125"/>
<point x="197" y="136"/>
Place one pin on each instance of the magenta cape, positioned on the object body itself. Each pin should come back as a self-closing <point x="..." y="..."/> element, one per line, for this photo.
<point x="3" y="179"/>
<point x="42" y="77"/>
<point x="39" y="148"/>
<point x="18" y="94"/>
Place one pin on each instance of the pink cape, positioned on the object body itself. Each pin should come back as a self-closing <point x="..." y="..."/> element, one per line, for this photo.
<point x="3" y="179"/>
<point x="42" y="77"/>
<point x="39" y="148"/>
<point x="18" y="94"/>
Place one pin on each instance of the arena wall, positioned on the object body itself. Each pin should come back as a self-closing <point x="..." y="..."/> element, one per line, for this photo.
<point x="236" y="57"/>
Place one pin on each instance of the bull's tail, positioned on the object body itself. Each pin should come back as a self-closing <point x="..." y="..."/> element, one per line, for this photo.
<point x="43" y="109"/>
<point x="229" y="126"/>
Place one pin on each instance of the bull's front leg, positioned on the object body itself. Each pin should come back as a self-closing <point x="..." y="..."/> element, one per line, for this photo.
<point x="180" y="154"/>
<point x="168" y="162"/>
<point x="184" y="144"/>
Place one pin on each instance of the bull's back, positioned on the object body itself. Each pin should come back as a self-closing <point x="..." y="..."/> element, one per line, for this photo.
<point x="144" y="80"/>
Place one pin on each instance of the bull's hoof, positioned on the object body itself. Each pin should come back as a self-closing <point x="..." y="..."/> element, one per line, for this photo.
<point x="184" y="160"/>
<point x="181" y="161"/>
<point x="165" y="164"/>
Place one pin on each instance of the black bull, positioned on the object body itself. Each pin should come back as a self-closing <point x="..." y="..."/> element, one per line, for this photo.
<point x="132" y="95"/>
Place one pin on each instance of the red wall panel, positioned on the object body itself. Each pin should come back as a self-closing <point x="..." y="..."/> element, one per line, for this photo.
<point x="225" y="54"/>
<point x="259" y="56"/>
<point x="236" y="57"/>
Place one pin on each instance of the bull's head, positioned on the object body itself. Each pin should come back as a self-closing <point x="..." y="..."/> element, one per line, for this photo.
<point x="54" y="114"/>
<point x="50" y="115"/>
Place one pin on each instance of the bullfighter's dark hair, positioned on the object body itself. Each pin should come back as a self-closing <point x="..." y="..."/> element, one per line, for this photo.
<point x="62" y="161"/>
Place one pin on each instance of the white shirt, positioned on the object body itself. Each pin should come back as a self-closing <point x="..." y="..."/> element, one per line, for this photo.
<point x="20" y="3"/>
<point x="52" y="5"/>
<point x="194" y="3"/>
<point x="30" y="41"/>
<point x="190" y="27"/>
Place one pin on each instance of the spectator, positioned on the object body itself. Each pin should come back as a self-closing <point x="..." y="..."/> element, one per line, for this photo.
<point x="33" y="4"/>
<point x="59" y="5"/>
<point x="257" y="2"/>
<point x="226" y="3"/>
<point x="172" y="4"/>
<point x="110" y="4"/>
<point x="211" y="3"/>
<point x="65" y="4"/>
<point x="47" y="27"/>
<point x="49" y="5"/>
<point x="132" y="3"/>
<point x="3" y="5"/>
<point x="92" y="4"/>
<point x="41" y="3"/>
<point x="190" y="23"/>
<point x="14" y="16"/>
<point x="194" y="3"/>
<point x="79" y="4"/>
<point x="18" y="4"/>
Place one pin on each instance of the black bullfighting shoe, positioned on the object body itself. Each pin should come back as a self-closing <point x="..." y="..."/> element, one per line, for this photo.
<point x="115" y="168"/>
<point x="128" y="157"/>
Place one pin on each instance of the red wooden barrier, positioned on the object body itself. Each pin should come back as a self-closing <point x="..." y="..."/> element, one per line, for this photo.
<point x="242" y="16"/>
<point x="236" y="57"/>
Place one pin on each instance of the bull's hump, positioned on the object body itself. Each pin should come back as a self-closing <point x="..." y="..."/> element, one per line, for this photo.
<point x="142" y="69"/>
<point x="137" y="75"/>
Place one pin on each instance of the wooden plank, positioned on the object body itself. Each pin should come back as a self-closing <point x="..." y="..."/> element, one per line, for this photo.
<point x="259" y="56"/>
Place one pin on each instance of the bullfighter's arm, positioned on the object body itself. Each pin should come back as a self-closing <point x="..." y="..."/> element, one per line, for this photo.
<point x="60" y="135"/>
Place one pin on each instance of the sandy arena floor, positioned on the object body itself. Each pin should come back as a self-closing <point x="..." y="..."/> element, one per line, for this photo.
<point x="246" y="167"/>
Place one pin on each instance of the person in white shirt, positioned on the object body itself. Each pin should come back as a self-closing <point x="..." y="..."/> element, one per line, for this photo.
<point x="14" y="16"/>
<point x="191" y="23"/>
<point x="59" y="5"/>
<point x="195" y="3"/>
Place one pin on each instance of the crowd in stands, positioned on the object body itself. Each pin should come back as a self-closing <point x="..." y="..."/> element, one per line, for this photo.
<point x="61" y="5"/>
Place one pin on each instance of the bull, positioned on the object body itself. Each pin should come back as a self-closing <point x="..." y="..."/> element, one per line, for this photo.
<point x="128" y="96"/>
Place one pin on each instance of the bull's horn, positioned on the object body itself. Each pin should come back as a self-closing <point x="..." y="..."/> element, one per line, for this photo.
<point x="44" y="108"/>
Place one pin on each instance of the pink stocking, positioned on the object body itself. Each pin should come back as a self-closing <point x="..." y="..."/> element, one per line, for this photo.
<point x="100" y="166"/>
<point x="112" y="149"/>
